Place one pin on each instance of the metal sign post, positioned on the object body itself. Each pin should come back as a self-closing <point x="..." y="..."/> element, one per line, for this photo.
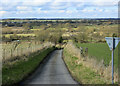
<point x="113" y="61"/>
<point x="112" y="43"/>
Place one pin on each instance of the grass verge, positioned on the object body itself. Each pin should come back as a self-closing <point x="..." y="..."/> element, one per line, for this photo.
<point x="12" y="75"/>
<point x="82" y="74"/>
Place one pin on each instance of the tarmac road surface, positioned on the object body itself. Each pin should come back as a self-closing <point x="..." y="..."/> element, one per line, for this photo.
<point x="51" y="71"/>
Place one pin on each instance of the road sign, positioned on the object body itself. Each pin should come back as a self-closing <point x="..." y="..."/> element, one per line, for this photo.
<point x="112" y="43"/>
<point x="117" y="40"/>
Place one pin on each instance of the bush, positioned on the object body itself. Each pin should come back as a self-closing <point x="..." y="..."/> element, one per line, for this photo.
<point x="81" y="38"/>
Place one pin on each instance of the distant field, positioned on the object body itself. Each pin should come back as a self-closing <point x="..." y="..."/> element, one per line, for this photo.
<point x="35" y="29"/>
<point x="23" y="35"/>
<point x="100" y="51"/>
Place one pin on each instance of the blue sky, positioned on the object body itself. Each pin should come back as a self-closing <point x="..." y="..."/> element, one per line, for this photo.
<point x="59" y="9"/>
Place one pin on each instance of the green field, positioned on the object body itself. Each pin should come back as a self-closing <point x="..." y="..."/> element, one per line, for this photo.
<point x="100" y="51"/>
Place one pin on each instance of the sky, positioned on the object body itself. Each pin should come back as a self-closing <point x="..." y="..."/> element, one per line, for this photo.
<point x="58" y="9"/>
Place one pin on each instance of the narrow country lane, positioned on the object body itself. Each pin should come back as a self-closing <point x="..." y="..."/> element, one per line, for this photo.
<point x="51" y="71"/>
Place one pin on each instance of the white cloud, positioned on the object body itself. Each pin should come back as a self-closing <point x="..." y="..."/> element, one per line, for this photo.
<point x="2" y="13"/>
<point x="107" y="11"/>
<point x="9" y="2"/>
<point x="45" y="11"/>
<point x="88" y="10"/>
<point x="99" y="9"/>
<point x="23" y="12"/>
<point x="1" y="8"/>
<point x="61" y="11"/>
<point x="20" y="12"/>
<point x="92" y="10"/>
<point x="71" y="10"/>
<point x="72" y="0"/>
<point x="53" y="7"/>
<point x="23" y="8"/>
<point x="38" y="10"/>
<point x="80" y="4"/>
<point x="105" y="2"/>
<point x="35" y="2"/>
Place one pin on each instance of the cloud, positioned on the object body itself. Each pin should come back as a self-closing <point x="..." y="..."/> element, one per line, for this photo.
<point x="24" y="8"/>
<point x="2" y="13"/>
<point x="23" y="12"/>
<point x="105" y="2"/>
<point x="71" y="10"/>
<point x="61" y="11"/>
<point x="35" y="2"/>
<point x="9" y="3"/>
<point x="93" y="10"/>
<point x="60" y="8"/>
<point x="1" y="8"/>
<point x="58" y="5"/>
<point x="86" y="10"/>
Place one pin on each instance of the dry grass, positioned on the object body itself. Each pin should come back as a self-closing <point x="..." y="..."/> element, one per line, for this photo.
<point x="20" y="35"/>
<point x="81" y="73"/>
<point x="98" y="67"/>
<point x="15" y="49"/>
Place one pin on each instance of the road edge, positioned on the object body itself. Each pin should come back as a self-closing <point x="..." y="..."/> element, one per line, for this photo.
<point x="69" y="70"/>
<point x="42" y="62"/>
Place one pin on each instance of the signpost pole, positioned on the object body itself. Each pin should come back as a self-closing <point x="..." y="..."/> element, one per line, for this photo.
<point x="112" y="66"/>
<point x="112" y="43"/>
<point x="113" y="61"/>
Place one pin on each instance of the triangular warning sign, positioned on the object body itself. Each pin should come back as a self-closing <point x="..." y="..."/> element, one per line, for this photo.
<point x="112" y="42"/>
<point x="109" y="42"/>
<point x="117" y="40"/>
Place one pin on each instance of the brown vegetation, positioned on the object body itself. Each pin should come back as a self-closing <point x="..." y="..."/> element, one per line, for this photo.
<point x="98" y="67"/>
<point x="17" y="50"/>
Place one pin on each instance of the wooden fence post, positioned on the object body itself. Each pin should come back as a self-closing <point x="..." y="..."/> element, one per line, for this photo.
<point x="21" y="51"/>
<point x="17" y="52"/>
<point x="11" y="53"/>
<point x="86" y="52"/>
<point x="3" y="54"/>
<point x="81" y="51"/>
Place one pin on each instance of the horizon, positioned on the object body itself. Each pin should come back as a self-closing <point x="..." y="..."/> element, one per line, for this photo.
<point x="53" y="18"/>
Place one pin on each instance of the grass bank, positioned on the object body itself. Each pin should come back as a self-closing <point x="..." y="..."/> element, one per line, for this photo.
<point x="21" y="69"/>
<point x="82" y="74"/>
